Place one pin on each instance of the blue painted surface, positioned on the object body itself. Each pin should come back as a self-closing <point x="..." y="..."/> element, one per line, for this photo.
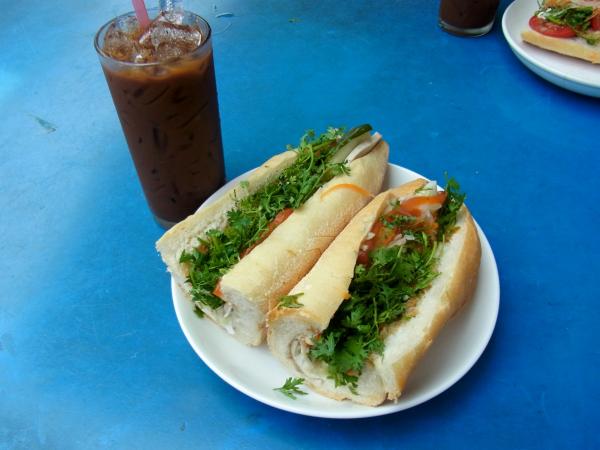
<point x="91" y="355"/>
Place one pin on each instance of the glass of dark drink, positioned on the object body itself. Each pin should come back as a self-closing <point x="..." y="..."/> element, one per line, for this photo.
<point x="467" y="17"/>
<point x="162" y="81"/>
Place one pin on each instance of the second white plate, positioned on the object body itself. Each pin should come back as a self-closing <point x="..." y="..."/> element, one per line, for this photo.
<point x="255" y="372"/>
<point x="569" y="73"/>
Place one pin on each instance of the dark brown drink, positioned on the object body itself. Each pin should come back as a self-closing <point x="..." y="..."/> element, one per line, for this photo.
<point x="166" y="99"/>
<point x="468" y="17"/>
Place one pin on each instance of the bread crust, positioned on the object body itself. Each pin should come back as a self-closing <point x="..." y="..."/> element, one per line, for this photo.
<point x="457" y="292"/>
<point x="575" y="47"/>
<point x="325" y="286"/>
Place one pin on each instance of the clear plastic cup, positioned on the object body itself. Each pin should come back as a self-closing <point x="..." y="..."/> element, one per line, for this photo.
<point x="170" y="117"/>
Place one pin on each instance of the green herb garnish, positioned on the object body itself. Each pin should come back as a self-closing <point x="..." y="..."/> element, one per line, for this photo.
<point x="199" y="312"/>
<point x="447" y="214"/>
<point x="378" y="296"/>
<point x="290" y="301"/>
<point x="249" y="220"/>
<point x="577" y="18"/>
<point x="592" y="38"/>
<point x="381" y="292"/>
<point x="290" y="388"/>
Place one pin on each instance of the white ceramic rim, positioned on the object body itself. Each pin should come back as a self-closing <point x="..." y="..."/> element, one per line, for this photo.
<point x="510" y="25"/>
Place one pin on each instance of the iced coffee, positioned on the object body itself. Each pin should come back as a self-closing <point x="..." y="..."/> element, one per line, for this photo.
<point x="162" y="81"/>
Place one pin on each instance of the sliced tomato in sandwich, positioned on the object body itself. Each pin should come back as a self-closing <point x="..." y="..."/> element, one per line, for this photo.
<point x="550" y="29"/>
<point x="278" y="220"/>
<point x="595" y="22"/>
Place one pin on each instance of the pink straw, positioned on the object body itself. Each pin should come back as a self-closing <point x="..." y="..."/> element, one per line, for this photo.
<point x="141" y="13"/>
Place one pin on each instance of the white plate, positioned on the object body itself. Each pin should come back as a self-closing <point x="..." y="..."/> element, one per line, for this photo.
<point x="253" y="371"/>
<point x="564" y="71"/>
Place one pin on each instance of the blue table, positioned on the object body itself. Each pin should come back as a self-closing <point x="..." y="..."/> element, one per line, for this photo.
<point x="91" y="355"/>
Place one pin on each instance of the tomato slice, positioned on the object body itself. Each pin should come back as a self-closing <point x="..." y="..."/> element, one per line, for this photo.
<point x="415" y="207"/>
<point x="280" y="218"/>
<point x="381" y="236"/>
<point x="217" y="290"/>
<point x="595" y="23"/>
<point x="363" y="257"/>
<point x="277" y="220"/>
<point x="550" y="29"/>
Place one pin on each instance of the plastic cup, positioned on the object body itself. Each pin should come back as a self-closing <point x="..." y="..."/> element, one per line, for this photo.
<point x="170" y="117"/>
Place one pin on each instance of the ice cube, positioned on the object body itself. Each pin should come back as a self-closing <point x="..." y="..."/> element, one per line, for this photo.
<point x="161" y="41"/>
<point x="169" y="40"/>
<point x="143" y="54"/>
<point x="118" y="44"/>
<point x="168" y="51"/>
<point x="127" y="24"/>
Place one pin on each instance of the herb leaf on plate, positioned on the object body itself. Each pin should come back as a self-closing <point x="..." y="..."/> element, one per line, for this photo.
<point x="290" y="388"/>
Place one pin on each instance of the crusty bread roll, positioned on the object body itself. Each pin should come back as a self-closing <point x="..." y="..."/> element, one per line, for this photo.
<point x="575" y="47"/>
<point x="276" y="264"/>
<point x="291" y="330"/>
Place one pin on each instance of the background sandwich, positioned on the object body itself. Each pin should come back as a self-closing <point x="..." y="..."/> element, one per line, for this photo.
<point x="569" y="27"/>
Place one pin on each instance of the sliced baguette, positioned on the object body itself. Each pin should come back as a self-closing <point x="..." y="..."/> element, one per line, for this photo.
<point x="290" y="331"/>
<point x="575" y="47"/>
<point x="275" y="265"/>
<point x="185" y="234"/>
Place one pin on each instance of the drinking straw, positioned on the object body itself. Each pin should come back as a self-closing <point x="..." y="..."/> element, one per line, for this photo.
<point x="141" y="13"/>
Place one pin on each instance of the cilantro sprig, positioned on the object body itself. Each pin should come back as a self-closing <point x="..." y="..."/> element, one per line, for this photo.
<point x="380" y="293"/>
<point x="249" y="220"/>
<point x="449" y="211"/>
<point x="574" y="17"/>
<point x="378" y="296"/>
<point x="290" y="388"/>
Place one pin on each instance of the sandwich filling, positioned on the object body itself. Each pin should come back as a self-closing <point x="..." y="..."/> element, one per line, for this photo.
<point x="396" y="264"/>
<point x="568" y="19"/>
<point x="255" y="216"/>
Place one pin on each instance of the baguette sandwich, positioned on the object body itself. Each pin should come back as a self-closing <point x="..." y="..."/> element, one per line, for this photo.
<point x="235" y="257"/>
<point x="568" y="27"/>
<point x="357" y="324"/>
